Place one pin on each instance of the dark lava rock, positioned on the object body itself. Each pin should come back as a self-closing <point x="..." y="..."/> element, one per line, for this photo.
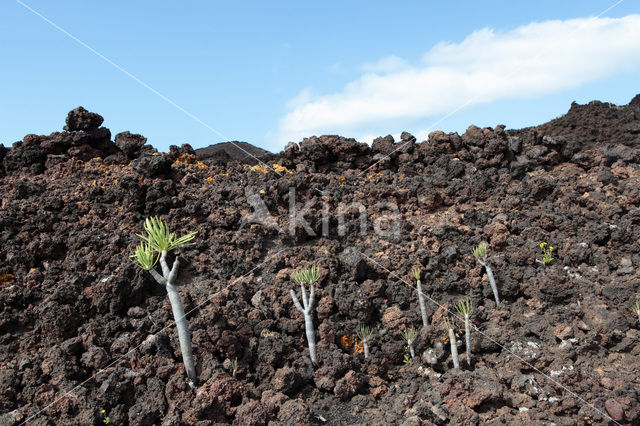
<point x="235" y="150"/>
<point x="615" y="410"/>
<point x="80" y="119"/>
<point x="383" y="145"/>
<point x="347" y="386"/>
<point x="73" y="305"/>
<point x="3" y="153"/>
<point x="130" y="143"/>
<point x="25" y="157"/>
<point x="152" y="165"/>
<point x="253" y="413"/>
<point x="407" y="137"/>
<point x="176" y="152"/>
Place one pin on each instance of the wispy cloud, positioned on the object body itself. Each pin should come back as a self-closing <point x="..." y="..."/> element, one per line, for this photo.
<point x="384" y="65"/>
<point x="530" y="61"/>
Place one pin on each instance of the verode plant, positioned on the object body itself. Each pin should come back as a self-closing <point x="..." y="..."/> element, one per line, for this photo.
<point x="154" y="247"/>
<point x="480" y="253"/>
<point x="309" y="277"/>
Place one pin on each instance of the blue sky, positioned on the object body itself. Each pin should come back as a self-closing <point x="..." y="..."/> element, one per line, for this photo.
<point x="270" y="72"/>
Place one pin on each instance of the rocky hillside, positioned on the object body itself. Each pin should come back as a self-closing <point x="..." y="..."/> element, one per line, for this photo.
<point x="86" y="337"/>
<point x="234" y="151"/>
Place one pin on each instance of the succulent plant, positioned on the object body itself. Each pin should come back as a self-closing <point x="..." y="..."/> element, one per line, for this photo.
<point x="155" y="247"/>
<point x="448" y="325"/>
<point x="410" y="335"/>
<point x="364" y="333"/>
<point x="480" y="253"/>
<point x="234" y="367"/>
<point x="635" y="308"/>
<point x="309" y="277"/>
<point x="144" y="256"/>
<point x="465" y="308"/>
<point x="160" y="239"/>
<point x="423" y="309"/>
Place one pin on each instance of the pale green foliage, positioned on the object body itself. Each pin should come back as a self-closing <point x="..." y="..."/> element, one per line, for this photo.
<point x="448" y="323"/>
<point x="160" y="239"/>
<point x="144" y="256"/>
<point x="480" y="252"/>
<point x="364" y="332"/>
<point x="407" y="355"/>
<point x="410" y="334"/>
<point x="635" y="308"/>
<point x="307" y="276"/>
<point x="416" y="273"/>
<point x="465" y="307"/>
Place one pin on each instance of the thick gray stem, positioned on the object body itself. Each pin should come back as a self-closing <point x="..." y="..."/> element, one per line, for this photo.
<point x="492" y="280"/>
<point x="163" y="264"/>
<point x="305" y="308"/>
<point x="365" y="343"/>
<point x="183" y="330"/>
<point x="411" y="351"/>
<point x="467" y="335"/>
<point x="167" y="279"/>
<point x="159" y="278"/>
<point x="423" y="309"/>
<point x="311" y="338"/>
<point x="454" y="349"/>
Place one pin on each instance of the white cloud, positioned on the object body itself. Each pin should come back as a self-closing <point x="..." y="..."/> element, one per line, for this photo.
<point x="301" y="99"/>
<point x="384" y="65"/>
<point x="530" y="61"/>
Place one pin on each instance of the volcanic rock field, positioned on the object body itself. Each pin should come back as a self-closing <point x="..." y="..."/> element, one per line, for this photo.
<point x="87" y="337"/>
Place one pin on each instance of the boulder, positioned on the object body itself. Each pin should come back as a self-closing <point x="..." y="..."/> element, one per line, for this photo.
<point x="80" y="119"/>
<point x="130" y="143"/>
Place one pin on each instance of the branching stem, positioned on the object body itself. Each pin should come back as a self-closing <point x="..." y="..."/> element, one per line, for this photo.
<point x="167" y="279"/>
<point x="305" y="309"/>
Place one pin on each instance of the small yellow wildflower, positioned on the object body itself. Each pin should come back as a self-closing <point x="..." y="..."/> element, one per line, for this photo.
<point x="259" y="168"/>
<point x="546" y="252"/>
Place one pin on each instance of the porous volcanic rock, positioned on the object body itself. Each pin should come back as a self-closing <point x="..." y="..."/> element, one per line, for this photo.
<point x="83" y="330"/>
<point x="80" y="119"/>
